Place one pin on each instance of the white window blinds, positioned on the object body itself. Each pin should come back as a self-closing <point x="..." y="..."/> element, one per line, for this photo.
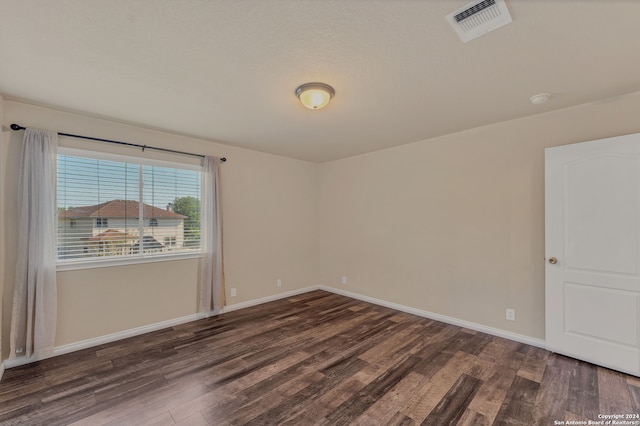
<point x="114" y="206"/>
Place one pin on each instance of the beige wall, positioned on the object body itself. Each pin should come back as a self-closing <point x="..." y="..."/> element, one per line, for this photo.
<point x="452" y="225"/>
<point x="270" y="232"/>
<point x="455" y="225"/>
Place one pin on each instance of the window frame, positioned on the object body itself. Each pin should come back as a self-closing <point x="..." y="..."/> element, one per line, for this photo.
<point x="169" y="241"/>
<point x="102" y="262"/>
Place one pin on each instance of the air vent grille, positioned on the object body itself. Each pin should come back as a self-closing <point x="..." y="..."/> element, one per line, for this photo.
<point x="473" y="10"/>
<point x="478" y="18"/>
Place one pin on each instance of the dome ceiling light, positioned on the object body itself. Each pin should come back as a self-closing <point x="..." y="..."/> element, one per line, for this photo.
<point x="315" y="95"/>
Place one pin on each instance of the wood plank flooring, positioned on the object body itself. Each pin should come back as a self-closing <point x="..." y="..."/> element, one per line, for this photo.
<point x="313" y="359"/>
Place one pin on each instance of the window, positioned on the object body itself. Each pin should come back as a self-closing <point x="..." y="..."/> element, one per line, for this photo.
<point x="114" y="207"/>
<point x="169" y="242"/>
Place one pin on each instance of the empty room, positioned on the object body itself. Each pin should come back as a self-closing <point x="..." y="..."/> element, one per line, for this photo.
<point x="320" y="212"/>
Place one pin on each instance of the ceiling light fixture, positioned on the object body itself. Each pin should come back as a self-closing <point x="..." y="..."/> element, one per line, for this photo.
<point x="315" y="95"/>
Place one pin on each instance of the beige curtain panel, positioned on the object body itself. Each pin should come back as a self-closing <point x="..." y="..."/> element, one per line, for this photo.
<point x="33" y="317"/>
<point x="211" y="291"/>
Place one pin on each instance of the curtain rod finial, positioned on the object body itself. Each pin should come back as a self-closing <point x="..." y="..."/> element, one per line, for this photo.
<point x="14" y="126"/>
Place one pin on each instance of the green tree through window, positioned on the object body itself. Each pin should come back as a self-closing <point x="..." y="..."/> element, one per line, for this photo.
<point x="189" y="207"/>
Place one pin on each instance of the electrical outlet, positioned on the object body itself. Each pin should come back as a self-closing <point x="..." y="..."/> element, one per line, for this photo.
<point x="279" y="282"/>
<point x="233" y="292"/>
<point x="511" y="314"/>
<point x="344" y="279"/>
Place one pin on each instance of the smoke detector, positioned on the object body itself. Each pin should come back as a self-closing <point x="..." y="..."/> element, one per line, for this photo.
<point x="478" y="18"/>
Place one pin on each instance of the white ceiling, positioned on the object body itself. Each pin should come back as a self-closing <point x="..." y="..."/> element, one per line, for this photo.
<point x="226" y="70"/>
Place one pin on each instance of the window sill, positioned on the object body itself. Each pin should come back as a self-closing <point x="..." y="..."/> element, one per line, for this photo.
<point x="108" y="263"/>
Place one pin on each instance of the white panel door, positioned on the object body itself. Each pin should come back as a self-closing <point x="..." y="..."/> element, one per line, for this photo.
<point x="592" y="209"/>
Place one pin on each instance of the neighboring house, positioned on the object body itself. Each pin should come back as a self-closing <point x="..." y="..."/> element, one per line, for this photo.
<point x="112" y="228"/>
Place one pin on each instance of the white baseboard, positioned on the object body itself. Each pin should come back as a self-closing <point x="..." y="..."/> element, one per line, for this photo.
<point x="96" y="341"/>
<point x="419" y="312"/>
<point x="89" y="343"/>
<point x="442" y="318"/>
<point x="254" y="302"/>
<point x="1" y="370"/>
<point x="85" y="344"/>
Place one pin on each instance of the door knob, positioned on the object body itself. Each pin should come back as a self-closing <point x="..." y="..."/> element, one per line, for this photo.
<point x="553" y="260"/>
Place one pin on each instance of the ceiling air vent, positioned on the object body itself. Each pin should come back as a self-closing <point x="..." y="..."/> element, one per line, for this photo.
<point x="478" y="18"/>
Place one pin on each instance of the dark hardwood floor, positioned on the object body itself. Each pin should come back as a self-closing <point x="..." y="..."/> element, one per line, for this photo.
<point x="317" y="358"/>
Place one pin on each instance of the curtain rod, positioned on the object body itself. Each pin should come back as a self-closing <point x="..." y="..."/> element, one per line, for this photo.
<point x="17" y="127"/>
